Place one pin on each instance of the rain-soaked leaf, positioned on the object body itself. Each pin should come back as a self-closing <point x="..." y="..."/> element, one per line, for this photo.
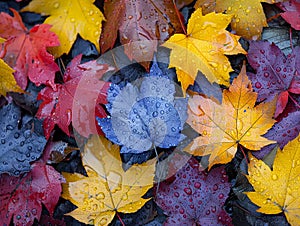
<point x="21" y="198"/>
<point x="108" y="188"/>
<point x="194" y="197"/>
<point x="19" y="146"/>
<point x="276" y="75"/>
<point x="26" y="50"/>
<point x="291" y="13"/>
<point x="145" y="115"/>
<point x="79" y="96"/>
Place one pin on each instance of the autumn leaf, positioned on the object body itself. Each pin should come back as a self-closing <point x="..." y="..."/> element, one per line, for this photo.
<point x="108" y="188"/>
<point x="78" y="97"/>
<point x="248" y="16"/>
<point x="8" y="82"/>
<point x="21" y="198"/>
<point x="69" y="18"/>
<point x="194" y="197"/>
<point x="276" y="74"/>
<point x="237" y="121"/>
<point x="141" y="24"/>
<point x="291" y="13"/>
<point x="26" y="50"/>
<point x="277" y="190"/>
<point x="203" y="49"/>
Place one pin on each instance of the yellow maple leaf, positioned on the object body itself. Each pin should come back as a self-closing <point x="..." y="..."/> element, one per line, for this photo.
<point x="7" y="80"/>
<point x="108" y="188"/>
<point x="278" y="190"/>
<point x="249" y="18"/>
<point x="203" y="48"/>
<point x="69" y="18"/>
<point x="237" y="121"/>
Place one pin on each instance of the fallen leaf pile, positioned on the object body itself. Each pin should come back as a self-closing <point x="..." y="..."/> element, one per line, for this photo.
<point x="149" y="112"/>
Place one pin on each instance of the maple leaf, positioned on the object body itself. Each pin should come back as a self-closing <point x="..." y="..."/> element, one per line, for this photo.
<point x="194" y="197"/>
<point x="145" y="116"/>
<point x="237" y="121"/>
<point x="203" y="49"/>
<point x="21" y="198"/>
<point x="276" y="74"/>
<point x="108" y="188"/>
<point x="70" y="18"/>
<point x="291" y="12"/>
<point x="249" y="18"/>
<point x="277" y="190"/>
<point x="78" y="97"/>
<point x="8" y="82"/>
<point x="141" y="24"/>
<point x="26" y="50"/>
<point x="19" y="146"/>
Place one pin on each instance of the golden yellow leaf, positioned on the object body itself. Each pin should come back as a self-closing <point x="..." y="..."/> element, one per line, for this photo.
<point x="108" y="188"/>
<point x="203" y="48"/>
<point x="278" y="190"/>
<point x="249" y="17"/>
<point x="7" y="80"/>
<point x="69" y="18"/>
<point x="237" y="121"/>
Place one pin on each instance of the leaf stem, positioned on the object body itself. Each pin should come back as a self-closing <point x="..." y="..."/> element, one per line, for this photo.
<point x="120" y="219"/>
<point x="295" y="102"/>
<point x="241" y="147"/>
<point x="179" y="18"/>
<point x="273" y="17"/>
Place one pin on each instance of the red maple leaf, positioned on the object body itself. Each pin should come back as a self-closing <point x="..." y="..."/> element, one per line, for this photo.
<point x="79" y="97"/>
<point x="291" y="12"/>
<point x="26" y="50"/>
<point x="21" y="197"/>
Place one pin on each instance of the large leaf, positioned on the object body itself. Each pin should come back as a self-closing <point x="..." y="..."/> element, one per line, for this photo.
<point x="291" y="12"/>
<point x="26" y="50"/>
<point x="21" y="198"/>
<point x="19" y="147"/>
<point x="145" y="116"/>
<point x="194" y="197"/>
<point x="277" y="190"/>
<point x="108" y="188"/>
<point x="237" y="121"/>
<point x="203" y="48"/>
<point x="70" y="18"/>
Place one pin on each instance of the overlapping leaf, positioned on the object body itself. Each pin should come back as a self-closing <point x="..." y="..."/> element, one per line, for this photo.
<point x="291" y="12"/>
<point x="237" y="121"/>
<point x="79" y="96"/>
<point x="204" y="48"/>
<point x="276" y="74"/>
<point x="195" y="197"/>
<point x="19" y="147"/>
<point x="142" y="24"/>
<point x="26" y="50"/>
<point x="70" y="18"/>
<point x="144" y="116"/>
<point x="108" y="188"/>
<point x="21" y="198"/>
<point x="249" y="18"/>
<point x="277" y="190"/>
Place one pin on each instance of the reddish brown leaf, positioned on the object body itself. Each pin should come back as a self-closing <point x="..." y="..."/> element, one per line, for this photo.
<point x="21" y="198"/>
<point x="142" y="26"/>
<point x="26" y="50"/>
<point x="291" y="13"/>
<point x="80" y="96"/>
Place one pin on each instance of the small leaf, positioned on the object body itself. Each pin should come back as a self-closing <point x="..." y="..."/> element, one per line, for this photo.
<point x="108" y="188"/>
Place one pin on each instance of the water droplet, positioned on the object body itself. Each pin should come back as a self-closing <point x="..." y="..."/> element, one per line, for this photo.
<point x="278" y="69"/>
<point x="274" y="177"/>
<point x="34" y="211"/>
<point x="155" y="114"/>
<point x="103" y="221"/>
<point x="181" y="211"/>
<point x="258" y="85"/>
<point x="125" y="197"/>
<point x="91" y="12"/>
<point x="96" y="33"/>
<point x="188" y="191"/>
<point x="2" y="141"/>
<point x="221" y="196"/>
<point x="72" y="20"/>
<point x="266" y="74"/>
<point x="207" y="212"/>
<point x="176" y="194"/>
<point x="130" y="17"/>
<point x="9" y="127"/>
<point x="213" y="64"/>
<point x="197" y="185"/>
<point x="56" y="5"/>
<point x="100" y="195"/>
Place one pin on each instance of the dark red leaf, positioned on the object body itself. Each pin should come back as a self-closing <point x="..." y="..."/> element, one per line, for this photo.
<point x="276" y="74"/>
<point x="291" y="13"/>
<point x="26" y="51"/>
<point x="79" y="97"/>
<point x="21" y="198"/>
<point x="195" y="197"/>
